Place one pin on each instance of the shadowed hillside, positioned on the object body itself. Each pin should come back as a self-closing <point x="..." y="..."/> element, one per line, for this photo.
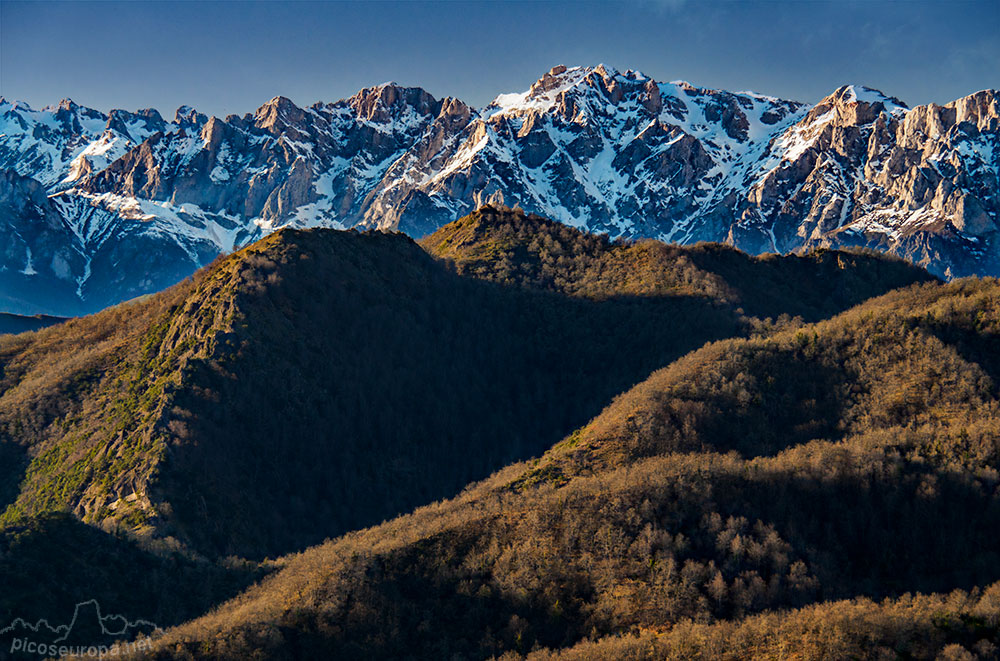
<point x="62" y="562"/>
<point x="731" y="483"/>
<point x="322" y="381"/>
<point x="959" y="626"/>
<point x="319" y="382"/>
<point x="351" y="378"/>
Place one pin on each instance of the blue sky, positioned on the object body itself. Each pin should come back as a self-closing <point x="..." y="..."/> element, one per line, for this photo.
<point x="230" y="57"/>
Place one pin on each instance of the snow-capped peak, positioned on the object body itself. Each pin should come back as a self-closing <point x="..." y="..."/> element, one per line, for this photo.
<point x="188" y="116"/>
<point x="862" y="94"/>
<point x="542" y="94"/>
<point x="65" y="104"/>
<point x="861" y="97"/>
<point x="16" y="104"/>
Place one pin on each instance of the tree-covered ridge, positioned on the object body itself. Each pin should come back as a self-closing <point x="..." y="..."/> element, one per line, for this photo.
<point x="73" y="402"/>
<point x="958" y="626"/>
<point x="855" y="457"/>
<point x="919" y="365"/>
<point x="511" y="247"/>
<point x="361" y="378"/>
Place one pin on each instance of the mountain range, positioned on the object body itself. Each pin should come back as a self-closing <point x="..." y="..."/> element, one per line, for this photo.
<point x="99" y="208"/>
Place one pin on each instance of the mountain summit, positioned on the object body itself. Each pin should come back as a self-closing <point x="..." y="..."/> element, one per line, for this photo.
<point x="135" y="202"/>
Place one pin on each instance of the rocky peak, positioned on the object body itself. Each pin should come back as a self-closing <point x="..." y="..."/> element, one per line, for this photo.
<point x="453" y="116"/>
<point x="545" y="93"/>
<point x="549" y="81"/>
<point x="605" y="82"/>
<point x="66" y="104"/>
<point x="150" y="115"/>
<point x="608" y="80"/>
<point x="630" y="86"/>
<point x="452" y="107"/>
<point x="16" y="105"/>
<point x="856" y="105"/>
<point x="124" y="122"/>
<point x="381" y="103"/>
<point x="278" y="113"/>
<point x="604" y="71"/>
<point x="652" y="100"/>
<point x="188" y="117"/>
<point x="67" y="109"/>
<point x="981" y="109"/>
<point x="213" y="132"/>
<point x="974" y="114"/>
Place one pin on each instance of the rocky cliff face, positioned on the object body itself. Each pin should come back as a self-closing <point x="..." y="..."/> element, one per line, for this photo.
<point x="862" y="169"/>
<point x="138" y="202"/>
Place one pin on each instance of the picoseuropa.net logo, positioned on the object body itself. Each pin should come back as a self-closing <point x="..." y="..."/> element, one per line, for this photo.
<point x="89" y="634"/>
<point x="53" y="650"/>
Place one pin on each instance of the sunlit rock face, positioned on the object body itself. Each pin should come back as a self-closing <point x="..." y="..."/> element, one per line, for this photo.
<point x="122" y="204"/>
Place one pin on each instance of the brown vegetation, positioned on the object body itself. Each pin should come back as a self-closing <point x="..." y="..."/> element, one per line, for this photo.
<point x="728" y="484"/>
<point x="514" y="248"/>
<point x="319" y="382"/>
<point x="958" y="626"/>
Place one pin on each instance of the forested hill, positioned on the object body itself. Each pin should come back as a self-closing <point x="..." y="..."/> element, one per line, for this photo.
<point x="514" y="248"/>
<point x="318" y="382"/>
<point x="361" y="377"/>
<point x="754" y="500"/>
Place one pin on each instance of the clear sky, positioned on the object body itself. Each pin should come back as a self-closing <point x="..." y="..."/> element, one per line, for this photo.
<point x="230" y="57"/>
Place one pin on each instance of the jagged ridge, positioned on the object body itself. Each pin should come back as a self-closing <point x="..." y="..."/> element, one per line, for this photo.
<point x="595" y="148"/>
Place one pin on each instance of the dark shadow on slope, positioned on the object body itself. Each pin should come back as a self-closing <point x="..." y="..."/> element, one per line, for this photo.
<point x="975" y="346"/>
<point x="814" y="286"/>
<point x="796" y="402"/>
<point x="900" y="528"/>
<point x="759" y="406"/>
<point x="369" y="380"/>
<point x="52" y="564"/>
<point x="430" y="611"/>
<point x="13" y="463"/>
